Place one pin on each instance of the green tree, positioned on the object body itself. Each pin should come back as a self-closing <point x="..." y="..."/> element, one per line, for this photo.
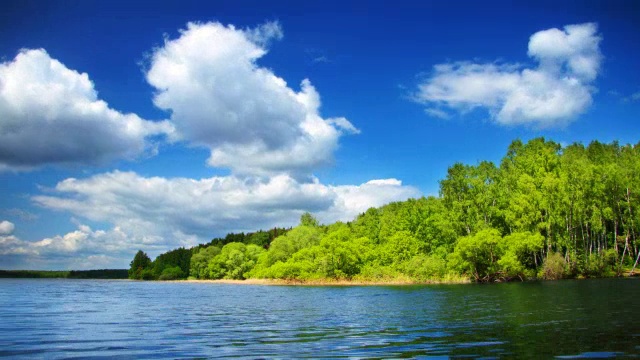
<point x="470" y="193"/>
<point x="400" y="247"/>
<point x="477" y="255"/>
<point x="138" y="265"/>
<point x="180" y="257"/>
<point x="342" y="255"/>
<point x="171" y="273"/>
<point x="308" y="220"/>
<point x="260" y="238"/>
<point x="234" y="261"/>
<point x="200" y="260"/>
<point x="530" y="178"/>
<point x="435" y="230"/>
<point x="368" y="225"/>
<point x="283" y="247"/>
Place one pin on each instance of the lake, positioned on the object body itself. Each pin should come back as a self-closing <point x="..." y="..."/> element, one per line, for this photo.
<point x="59" y="318"/>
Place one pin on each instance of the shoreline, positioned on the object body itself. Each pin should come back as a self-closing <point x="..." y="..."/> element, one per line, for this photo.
<point x="334" y="282"/>
<point x="322" y="282"/>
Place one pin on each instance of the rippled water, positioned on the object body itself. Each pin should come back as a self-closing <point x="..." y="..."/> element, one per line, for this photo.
<point x="51" y="318"/>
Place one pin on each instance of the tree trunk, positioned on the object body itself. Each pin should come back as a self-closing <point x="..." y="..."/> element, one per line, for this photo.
<point x="626" y="245"/>
<point x="636" y="264"/>
<point x="615" y="234"/>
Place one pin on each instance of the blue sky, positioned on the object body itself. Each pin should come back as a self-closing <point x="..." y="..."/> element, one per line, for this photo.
<point x="156" y="125"/>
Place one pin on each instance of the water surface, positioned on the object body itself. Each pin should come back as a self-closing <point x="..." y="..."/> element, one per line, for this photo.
<point x="59" y="318"/>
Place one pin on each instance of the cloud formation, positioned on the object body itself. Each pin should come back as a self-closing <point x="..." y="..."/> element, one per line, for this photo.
<point x="148" y="206"/>
<point x="50" y="114"/>
<point x="249" y="118"/>
<point x="158" y="214"/>
<point x="80" y="249"/>
<point x="551" y="94"/>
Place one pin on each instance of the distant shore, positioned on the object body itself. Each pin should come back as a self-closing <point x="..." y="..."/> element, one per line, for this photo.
<point x="110" y="274"/>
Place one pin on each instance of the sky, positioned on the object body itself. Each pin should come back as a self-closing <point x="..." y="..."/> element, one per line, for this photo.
<point x="159" y="124"/>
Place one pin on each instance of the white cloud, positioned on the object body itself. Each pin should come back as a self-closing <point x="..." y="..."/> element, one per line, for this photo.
<point x="249" y="118"/>
<point x="80" y="249"/>
<point x="50" y="114"/>
<point x="6" y="227"/>
<point x="437" y="113"/>
<point x="551" y="94"/>
<point x="161" y="214"/>
<point x="11" y="245"/>
<point x="577" y="48"/>
<point x="72" y="242"/>
<point x="352" y="200"/>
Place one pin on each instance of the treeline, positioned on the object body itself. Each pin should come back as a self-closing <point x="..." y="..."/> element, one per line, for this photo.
<point x="99" y="274"/>
<point x="181" y="263"/>
<point x="73" y="274"/>
<point x="544" y="212"/>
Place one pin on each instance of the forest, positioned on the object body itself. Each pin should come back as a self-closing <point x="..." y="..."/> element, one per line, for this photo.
<point x="545" y="212"/>
<point x="72" y="274"/>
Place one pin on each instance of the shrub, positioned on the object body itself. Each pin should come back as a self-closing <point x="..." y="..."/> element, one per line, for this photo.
<point x="147" y="274"/>
<point x="171" y="273"/>
<point x="554" y="267"/>
<point x="424" y="267"/>
<point x="375" y="272"/>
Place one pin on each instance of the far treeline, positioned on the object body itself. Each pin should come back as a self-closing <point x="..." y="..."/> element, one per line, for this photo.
<point x="546" y="212"/>
<point x="73" y="274"/>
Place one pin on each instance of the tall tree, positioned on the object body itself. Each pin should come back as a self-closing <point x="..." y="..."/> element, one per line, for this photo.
<point x="138" y="265"/>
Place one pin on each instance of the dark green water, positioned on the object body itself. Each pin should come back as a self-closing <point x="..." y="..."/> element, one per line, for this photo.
<point x="41" y="318"/>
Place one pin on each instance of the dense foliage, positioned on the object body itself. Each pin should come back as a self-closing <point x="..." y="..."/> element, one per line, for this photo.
<point x="238" y="254"/>
<point x="545" y="211"/>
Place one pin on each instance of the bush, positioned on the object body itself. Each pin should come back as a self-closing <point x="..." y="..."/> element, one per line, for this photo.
<point x="510" y="267"/>
<point x="171" y="273"/>
<point x="424" y="268"/>
<point x="374" y="272"/>
<point x="147" y="274"/>
<point x="597" y="265"/>
<point x="554" y="267"/>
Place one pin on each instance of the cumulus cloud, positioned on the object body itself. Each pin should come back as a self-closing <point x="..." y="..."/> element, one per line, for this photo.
<point x="161" y="213"/>
<point x="82" y="248"/>
<point x="11" y="245"/>
<point x="551" y="94"/>
<point x="143" y="205"/>
<point x="250" y="119"/>
<point x="6" y="227"/>
<point x="351" y="200"/>
<point x="50" y="114"/>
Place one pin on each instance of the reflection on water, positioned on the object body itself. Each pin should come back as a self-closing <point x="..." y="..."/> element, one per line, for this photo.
<point x="54" y="318"/>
